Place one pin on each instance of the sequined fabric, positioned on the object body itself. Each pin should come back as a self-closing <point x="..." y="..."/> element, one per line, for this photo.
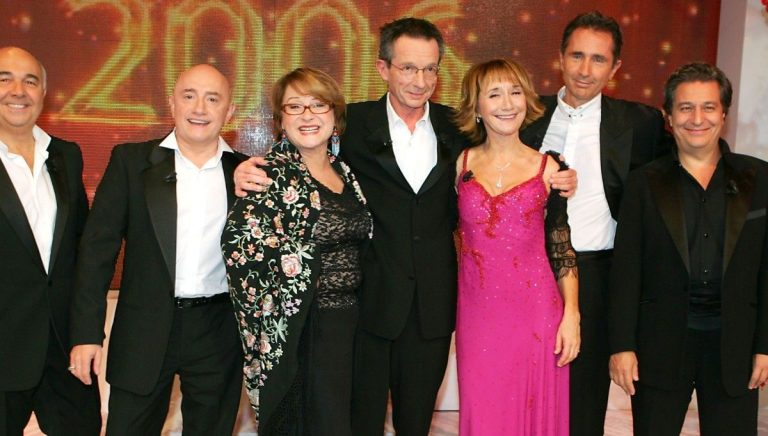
<point x="509" y="309"/>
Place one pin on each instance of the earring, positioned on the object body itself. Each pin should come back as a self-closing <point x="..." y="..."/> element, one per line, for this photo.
<point x="283" y="135"/>
<point x="335" y="142"/>
<point x="477" y="119"/>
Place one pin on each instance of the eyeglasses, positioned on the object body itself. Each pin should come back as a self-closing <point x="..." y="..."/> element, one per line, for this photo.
<point x="298" y="109"/>
<point x="408" y="70"/>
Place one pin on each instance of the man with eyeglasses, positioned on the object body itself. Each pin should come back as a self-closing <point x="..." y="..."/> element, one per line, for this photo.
<point x="402" y="149"/>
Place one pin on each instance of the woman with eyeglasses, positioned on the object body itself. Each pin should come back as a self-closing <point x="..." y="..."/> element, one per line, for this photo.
<point x="293" y="261"/>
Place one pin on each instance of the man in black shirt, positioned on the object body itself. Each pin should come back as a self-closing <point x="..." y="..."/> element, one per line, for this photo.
<point x="688" y="306"/>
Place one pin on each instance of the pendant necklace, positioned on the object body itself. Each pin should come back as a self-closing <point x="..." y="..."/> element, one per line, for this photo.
<point x="500" y="169"/>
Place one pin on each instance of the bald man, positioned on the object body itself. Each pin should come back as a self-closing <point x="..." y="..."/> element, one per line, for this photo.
<point x="43" y="208"/>
<point x="167" y="199"/>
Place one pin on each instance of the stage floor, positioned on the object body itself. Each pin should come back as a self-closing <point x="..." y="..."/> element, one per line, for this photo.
<point x="617" y="423"/>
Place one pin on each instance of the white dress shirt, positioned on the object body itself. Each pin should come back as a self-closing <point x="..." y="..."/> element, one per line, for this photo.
<point x="35" y="191"/>
<point x="201" y="205"/>
<point x="415" y="152"/>
<point x="575" y="133"/>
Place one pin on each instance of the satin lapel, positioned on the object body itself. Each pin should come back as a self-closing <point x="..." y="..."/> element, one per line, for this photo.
<point x="534" y="134"/>
<point x="58" y="171"/>
<point x="615" y="151"/>
<point x="380" y="143"/>
<point x="229" y="162"/>
<point x="740" y="185"/>
<point x="665" y="188"/>
<point x="11" y="206"/>
<point x="160" y="194"/>
<point x="444" y="155"/>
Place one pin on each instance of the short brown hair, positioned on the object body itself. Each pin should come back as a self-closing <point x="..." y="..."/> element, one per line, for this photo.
<point x="482" y="74"/>
<point x="698" y="72"/>
<point x="312" y="82"/>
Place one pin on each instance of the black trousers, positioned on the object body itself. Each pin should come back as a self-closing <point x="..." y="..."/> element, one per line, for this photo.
<point x="590" y="380"/>
<point x="661" y="411"/>
<point x="410" y="367"/>
<point x="204" y="350"/>
<point x="62" y="404"/>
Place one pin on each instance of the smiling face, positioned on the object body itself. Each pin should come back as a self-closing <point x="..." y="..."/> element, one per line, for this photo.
<point x="200" y="105"/>
<point x="587" y="64"/>
<point x="408" y="95"/>
<point x="309" y="132"/>
<point x="502" y="108"/>
<point x="22" y="90"/>
<point x="697" y="116"/>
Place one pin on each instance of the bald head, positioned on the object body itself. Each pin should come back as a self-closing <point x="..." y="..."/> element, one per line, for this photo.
<point x="207" y="76"/>
<point x="22" y="91"/>
<point x="20" y="52"/>
<point x="201" y="104"/>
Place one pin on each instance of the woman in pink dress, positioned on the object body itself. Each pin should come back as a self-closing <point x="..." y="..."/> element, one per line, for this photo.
<point x="518" y="316"/>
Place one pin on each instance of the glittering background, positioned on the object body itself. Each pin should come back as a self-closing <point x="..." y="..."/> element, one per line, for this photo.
<point x="111" y="63"/>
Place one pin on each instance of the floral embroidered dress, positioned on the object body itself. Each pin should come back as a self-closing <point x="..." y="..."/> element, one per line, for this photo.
<point x="292" y="257"/>
<point x="509" y="309"/>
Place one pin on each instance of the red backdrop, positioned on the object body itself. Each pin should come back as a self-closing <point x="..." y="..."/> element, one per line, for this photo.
<point x="111" y="63"/>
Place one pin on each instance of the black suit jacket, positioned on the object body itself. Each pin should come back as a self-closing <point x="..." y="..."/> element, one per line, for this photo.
<point x="631" y="135"/>
<point x="648" y="308"/>
<point x="411" y="258"/>
<point x="31" y="300"/>
<point x="136" y="203"/>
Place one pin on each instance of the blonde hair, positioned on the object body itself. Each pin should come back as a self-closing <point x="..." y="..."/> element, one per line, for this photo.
<point x="479" y="76"/>
<point x="312" y="82"/>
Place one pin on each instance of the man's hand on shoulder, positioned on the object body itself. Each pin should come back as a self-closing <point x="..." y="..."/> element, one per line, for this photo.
<point x="249" y="177"/>
<point x="565" y="180"/>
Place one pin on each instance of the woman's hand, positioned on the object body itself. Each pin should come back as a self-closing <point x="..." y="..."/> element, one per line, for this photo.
<point x="568" y="337"/>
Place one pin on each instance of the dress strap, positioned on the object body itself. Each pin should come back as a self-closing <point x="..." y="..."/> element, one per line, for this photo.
<point x="464" y="164"/>
<point x="543" y="164"/>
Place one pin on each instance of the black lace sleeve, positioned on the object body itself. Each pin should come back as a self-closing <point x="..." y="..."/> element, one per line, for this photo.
<point x="562" y="256"/>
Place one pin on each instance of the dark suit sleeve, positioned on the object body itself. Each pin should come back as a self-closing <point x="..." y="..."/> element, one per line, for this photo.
<point x="99" y="247"/>
<point x="81" y="199"/>
<point x="761" y="330"/>
<point x="664" y="142"/>
<point x="626" y="272"/>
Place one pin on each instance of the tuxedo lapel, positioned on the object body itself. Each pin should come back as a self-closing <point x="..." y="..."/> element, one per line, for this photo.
<point x="615" y="150"/>
<point x="380" y="143"/>
<point x="665" y="188"/>
<point x="740" y="185"/>
<point x="229" y="162"/>
<point x="11" y="206"/>
<point x="444" y="155"/>
<point x="533" y="135"/>
<point x="58" y="172"/>
<point x="160" y="193"/>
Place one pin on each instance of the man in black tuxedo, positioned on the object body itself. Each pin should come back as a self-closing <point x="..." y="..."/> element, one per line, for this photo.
<point x="689" y="286"/>
<point x="403" y="148"/>
<point x="43" y="208"/>
<point x="602" y="139"/>
<point x="168" y="200"/>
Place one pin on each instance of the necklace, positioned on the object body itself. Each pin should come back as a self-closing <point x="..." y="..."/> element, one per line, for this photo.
<point x="500" y="169"/>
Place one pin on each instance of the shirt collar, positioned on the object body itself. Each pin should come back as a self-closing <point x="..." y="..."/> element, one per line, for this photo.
<point x="395" y="120"/>
<point x="586" y="109"/>
<point x="171" y="143"/>
<point x="42" y="141"/>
